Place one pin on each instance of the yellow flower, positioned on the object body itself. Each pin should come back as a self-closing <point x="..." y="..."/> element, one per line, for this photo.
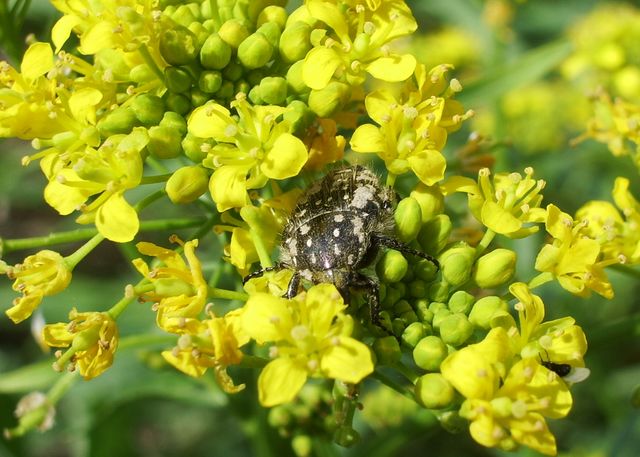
<point x="412" y="130"/>
<point x="42" y="274"/>
<point x="504" y="204"/>
<point x="92" y="339"/>
<point x="572" y="257"/>
<point x="310" y="336"/>
<point x="616" y="229"/>
<point x="249" y="151"/>
<point x="357" y="43"/>
<point x="109" y="171"/>
<point x="324" y="144"/>
<point x="180" y="291"/>
<point x="214" y="344"/>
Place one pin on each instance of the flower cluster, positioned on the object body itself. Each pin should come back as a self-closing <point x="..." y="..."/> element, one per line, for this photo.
<point x="228" y="109"/>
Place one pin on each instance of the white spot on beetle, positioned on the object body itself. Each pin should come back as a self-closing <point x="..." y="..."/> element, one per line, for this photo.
<point x="336" y="232"/>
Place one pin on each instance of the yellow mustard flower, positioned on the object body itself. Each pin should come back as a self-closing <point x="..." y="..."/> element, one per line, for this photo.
<point x="249" y="150"/>
<point x="39" y="275"/>
<point x="92" y="339"/>
<point x="357" y="43"/>
<point x="324" y="144"/>
<point x="616" y="229"/>
<point x="572" y="257"/>
<point x="180" y="291"/>
<point x="506" y="404"/>
<point x="215" y="344"/>
<point x="413" y="129"/>
<point x="310" y="336"/>
<point x="109" y="171"/>
<point x="505" y="203"/>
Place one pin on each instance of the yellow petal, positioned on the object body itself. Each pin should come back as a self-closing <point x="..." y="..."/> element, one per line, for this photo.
<point x="266" y="318"/>
<point x="62" y="30"/>
<point x="280" y="381"/>
<point x="211" y="121"/>
<point x="228" y="187"/>
<point x="98" y="37"/>
<point x="499" y="219"/>
<point x="428" y="166"/>
<point x="286" y="158"/>
<point x="349" y="361"/>
<point x="116" y="219"/>
<point x="319" y="66"/>
<point x="82" y="103"/>
<point x="368" y="138"/>
<point x="37" y="60"/>
<point x="393" y="68"/>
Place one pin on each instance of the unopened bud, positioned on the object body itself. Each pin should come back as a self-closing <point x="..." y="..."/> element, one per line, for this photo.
<point x="439" y="291"/>
<point x="271" y="31"/>
<point x="439" y="316"/>
<point x="233" y="32"/>
<point x="294" y="79"/>
<point x="210" y="81"/>
<point x="495" y="268"/>
<point x="120" y="120"/>
<point x="430" y="199"/>
<point x="387" y="350"/>
<point x="178" y="103"/>
<point x="177" y="79"/>
<point x="408" y="218"/>
<point x="433" y="391"/>
<point x="299" y="116"/>
<point x="164" y="143"/>
<point x="392" y="266"/>
<point x="302" y="445"/>
<point x="255" y="51"/>
<point x="294" y="42"/>
<point x="273" y="90"/>
<point x="461" y="302"/>
<point x="429" y="353"/>
<point x="141" y="73"/>
<point x="456" y="264"/>
<point x="455" y="329"/>
<point x="275" y="14"/>
<point x="330" y="100"/>
<point x="425" y="269"/>
<point x="215" y="53"/>
<point x="413" y="333"/>
<point x="178" y="45"/>
<point x="186" y="184"/>
<point x="148" y="109"/>
<point x="434" y="234"/>
<point x="421" y="308"/>
<point x="174" y="121"/>
<point x="484" y="309"/>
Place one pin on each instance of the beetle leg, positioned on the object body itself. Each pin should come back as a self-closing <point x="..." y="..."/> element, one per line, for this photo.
<point x="292" y="289"/>
<point x="392" y="243"/>
<point x="260" y="272"/>
<point x="371" y="288"/>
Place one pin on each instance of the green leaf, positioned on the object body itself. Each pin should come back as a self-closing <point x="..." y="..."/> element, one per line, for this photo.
<point x="504" y="78"/>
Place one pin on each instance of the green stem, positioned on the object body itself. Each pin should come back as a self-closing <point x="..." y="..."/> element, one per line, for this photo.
<point x="227" y="294"/>
<point x="72" y="236"/>
<point x="83" y="251"/>
<point x="627" y="270"/>
<point x="148" y="59"/>
<point x="387" y="381"/>
<point x="130" y="295"/>
<point x="146" y="339"/>
<point x="539" y="280"/>
<point x="406" y="372"/>
<point x="61" y="387"/>
<point x="263" y="254"/>
<point x="391" y="179"/>
<point x="485" y="242"/>
<point x="155" y="179"/>
<point x="146" y="201"/>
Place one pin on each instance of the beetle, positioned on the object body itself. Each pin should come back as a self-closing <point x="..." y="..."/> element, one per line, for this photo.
<point x="336" y="229"/>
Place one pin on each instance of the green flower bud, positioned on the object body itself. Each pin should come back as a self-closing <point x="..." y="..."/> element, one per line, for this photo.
<point x="226" y="91"/>
<point x="294" y="42"/>
<point x="178" y="45"/>
<point x="461" y="302"/>
<point x="330" y="100"/>
<point x="439" y="291"/>
<point x="255" y="96"/>
<point x="242" y="86"/>
<point x="215" y="53"/>
<point x="429" y="353"/>
<point x="233" y="71"/>
<point x="401" y="306"/>
<point x="174" y="121"/>
<point x="418" y="288"/>
<point x="233" y="32"/>
<point x="271" y="31"/>
<point x="141" y="74"/>
<point x="430" y="199"/>
<point x="436" y="306"/>
<point x="186" y="184"/>
<point x="425" y="270"/>
<point x="392" y="266"/>
<point x="200" y="32"/>
<point x="210" y="81"/>
<point x="455" y="329"/>
<point x="394" y="293"/>
<point x="413" y="333"/>
<point x="177" y="79"/>
<point x="193" y="147"/>
<point x="398" y="326"/>
<point x="434" y="234"/>
<point x="433" y="391"/>
<point x="279" y="416"/>
<point x="186" y="14"/>
<point x="452" y="422"/>
<point x="198" y="98"/>
<point x="439" y="316"/>
<point x="164" y="142"/>
<point x="387" y="350"/>
<point x="255" y="51"/>
<point x="408" y="219"/>
<point x="178" y="103"/>
<point x="273" y="90"/>
<point x="273" y="13"/>
<point x="421" y="308"/>
<point x="302" y="445"/>
<point x="484" y="309"/>
<point x="456" y="264"/>
<point x="294" y="79"/>
<point x="148" y="109"/>
<point x="495" y="268"/>
<point x="119" y="120"/>
<point x="299" y="116"/>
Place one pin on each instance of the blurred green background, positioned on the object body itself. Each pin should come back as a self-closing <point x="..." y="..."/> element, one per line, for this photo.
<point x="509" y="57"/>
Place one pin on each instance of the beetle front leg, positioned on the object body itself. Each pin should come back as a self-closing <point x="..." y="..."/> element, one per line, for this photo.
<point x="392" y="243"/>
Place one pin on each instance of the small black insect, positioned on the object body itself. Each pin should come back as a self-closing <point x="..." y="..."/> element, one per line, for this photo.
<point x="561" y="369"/>
<point x="336" y="229"/>
<point x="567" y="372"/>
